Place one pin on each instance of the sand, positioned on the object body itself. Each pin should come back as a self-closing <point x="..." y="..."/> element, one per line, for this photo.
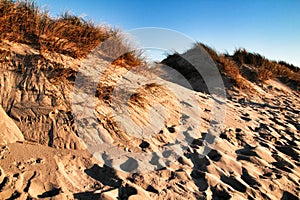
<point x="255" y="154"/>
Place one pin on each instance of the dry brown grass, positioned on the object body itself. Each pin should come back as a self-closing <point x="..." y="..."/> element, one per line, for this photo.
<point x="266" y="69"/>
<point x="227" y="67"/>
<point x="70" y="35"/>
<point x="104" y="93"/>
<point x="232" y="70"/>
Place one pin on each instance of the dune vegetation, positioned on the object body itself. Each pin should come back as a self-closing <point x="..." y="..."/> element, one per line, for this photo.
<point x="261" y="68"/>
<point x="24" y="22"/>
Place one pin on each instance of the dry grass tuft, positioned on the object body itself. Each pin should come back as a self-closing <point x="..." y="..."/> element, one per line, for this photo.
<point x="24" y="22"/>
<point x="227" y="67"/>
<point x="265" y="68"/>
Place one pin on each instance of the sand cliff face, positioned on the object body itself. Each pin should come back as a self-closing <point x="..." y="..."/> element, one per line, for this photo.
<point x="255" y="154"/>
<point x="9" y="131"/>
<point x="34" y="92"/>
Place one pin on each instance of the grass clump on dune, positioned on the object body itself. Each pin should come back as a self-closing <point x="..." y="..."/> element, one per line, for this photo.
<point x="263" y="68"/>
<point x="24" y="22"/>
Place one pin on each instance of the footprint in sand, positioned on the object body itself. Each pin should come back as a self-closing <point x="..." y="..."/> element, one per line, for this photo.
<point x="4" y="151"/>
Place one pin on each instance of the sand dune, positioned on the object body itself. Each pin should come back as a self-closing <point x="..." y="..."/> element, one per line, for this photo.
<point x="254" y="156"/>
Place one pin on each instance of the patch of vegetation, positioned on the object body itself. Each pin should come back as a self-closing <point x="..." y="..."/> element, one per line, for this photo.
<point x="262" y="68"/>
<point x="227" y="66"/>
<point x="266" y="69"/>
<point x="238" y="69"/>
<point x="24" y="22"/>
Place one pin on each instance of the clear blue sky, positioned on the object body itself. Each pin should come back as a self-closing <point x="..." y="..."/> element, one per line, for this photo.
<point x="269" y="27"/>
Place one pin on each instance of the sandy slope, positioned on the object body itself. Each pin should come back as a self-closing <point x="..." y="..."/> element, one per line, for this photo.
<point x="9" y="131"/>
<point x="255" y="155"/>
